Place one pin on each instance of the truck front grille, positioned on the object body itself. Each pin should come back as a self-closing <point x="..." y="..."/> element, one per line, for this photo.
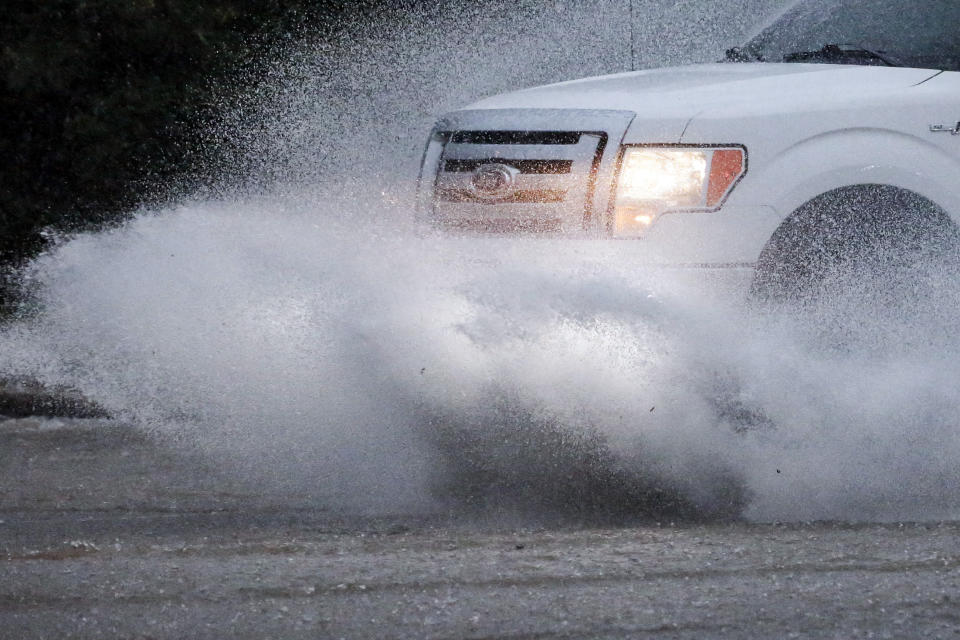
<point x="549" y="179"/>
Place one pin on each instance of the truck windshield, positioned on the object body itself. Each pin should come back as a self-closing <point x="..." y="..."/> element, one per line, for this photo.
<point x="918" y="33"/>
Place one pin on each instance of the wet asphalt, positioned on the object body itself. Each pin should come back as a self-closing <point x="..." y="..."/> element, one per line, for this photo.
<point x="106" y="532"/>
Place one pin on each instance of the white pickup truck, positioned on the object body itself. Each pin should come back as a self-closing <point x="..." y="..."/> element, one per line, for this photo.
<point x="830" y="138"/>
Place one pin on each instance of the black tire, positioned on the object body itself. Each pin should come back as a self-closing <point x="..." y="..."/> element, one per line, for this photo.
<point x="854" y="234"/>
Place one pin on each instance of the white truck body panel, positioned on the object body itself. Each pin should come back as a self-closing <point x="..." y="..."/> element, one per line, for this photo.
<point x="807" y="129"/>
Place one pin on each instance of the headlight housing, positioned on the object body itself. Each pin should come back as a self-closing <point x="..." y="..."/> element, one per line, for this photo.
<point x="654" y="180"/>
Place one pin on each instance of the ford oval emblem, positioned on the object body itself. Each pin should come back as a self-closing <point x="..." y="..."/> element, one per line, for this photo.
<point x="493" y="180"/>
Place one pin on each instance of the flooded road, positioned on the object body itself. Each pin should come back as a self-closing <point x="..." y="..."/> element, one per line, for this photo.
<point x="110" y="533"/>
<point x="333" y="425"/>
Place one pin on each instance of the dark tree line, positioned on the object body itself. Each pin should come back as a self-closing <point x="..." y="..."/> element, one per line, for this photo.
<point x="104" y="103"/>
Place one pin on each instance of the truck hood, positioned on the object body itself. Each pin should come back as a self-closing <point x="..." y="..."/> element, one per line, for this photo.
<point x="680" y="93"/>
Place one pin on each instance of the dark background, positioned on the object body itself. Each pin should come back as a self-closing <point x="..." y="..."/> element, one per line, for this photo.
<point x="104" y="104"/>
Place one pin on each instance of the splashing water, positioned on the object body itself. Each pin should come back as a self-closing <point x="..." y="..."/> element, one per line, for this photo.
<point x="320" y="344"/>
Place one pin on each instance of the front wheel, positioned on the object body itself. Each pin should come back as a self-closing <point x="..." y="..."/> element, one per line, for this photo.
<point x="863" y="262"/>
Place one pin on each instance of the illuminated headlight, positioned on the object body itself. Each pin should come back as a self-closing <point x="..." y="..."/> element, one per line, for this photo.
<point x="656" y="180"/>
